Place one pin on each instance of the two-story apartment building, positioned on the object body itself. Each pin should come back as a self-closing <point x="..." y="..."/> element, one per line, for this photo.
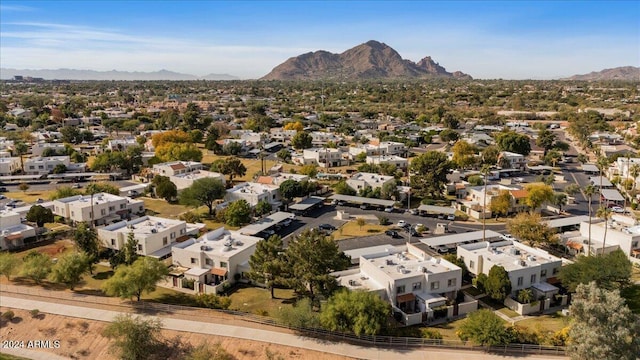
<point x="122" y="144"/>
<point x="618" y="236"/>
<point x="475" y="199"/>
<point x="359" y="181"/>
<point x="511" y="160"/>
<point x="13" y="231"/>
<point x="215" y="257"/>
<point x="412" y="281"/>
<point x="526" y="266"/>
<point x="38" y="148"/>
<point x="102" y="208"/>
<point x="325" y="157"/>
<point x="45" y="165"/>
<point x="155" y="235"/>
<point x="395" y="160"/>
<point x="253" y="193"/>
<point x="9" y="165"/>
<point x="174" y="168"/>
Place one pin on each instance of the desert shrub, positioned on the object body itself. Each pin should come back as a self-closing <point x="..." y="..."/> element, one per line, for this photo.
<point x="8" y="315"/>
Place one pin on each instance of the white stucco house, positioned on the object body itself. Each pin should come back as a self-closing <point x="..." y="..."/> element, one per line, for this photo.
<point x="102" y="208"/>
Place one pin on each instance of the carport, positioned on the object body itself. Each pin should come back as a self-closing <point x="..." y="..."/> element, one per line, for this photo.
<point x="460" y="238"/>
<point x="362" y="200"/>
<point x="612" y="196"/>
<point x="432" y="209"/>
<point x="264" y="224"/>
<point x="567" y="223"/>
<point x="307" y="204"/>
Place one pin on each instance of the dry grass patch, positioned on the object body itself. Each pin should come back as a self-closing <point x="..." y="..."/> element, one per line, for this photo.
<point x="551" y="323"/>
<point x="163" y="209"/>
<point x="259" y="301"/>
<point x="29" y="196"/>
<point x="352" y="229"/>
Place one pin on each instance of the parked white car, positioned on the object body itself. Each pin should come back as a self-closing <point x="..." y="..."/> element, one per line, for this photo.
<point x="402" y="223"/>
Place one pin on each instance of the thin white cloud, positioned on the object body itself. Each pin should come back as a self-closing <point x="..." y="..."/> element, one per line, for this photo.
<point x="22" y="8"/>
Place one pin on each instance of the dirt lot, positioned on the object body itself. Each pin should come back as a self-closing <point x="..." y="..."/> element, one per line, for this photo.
<point x="82" y="339"/>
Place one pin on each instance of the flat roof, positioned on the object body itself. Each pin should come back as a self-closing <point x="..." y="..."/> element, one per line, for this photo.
<point x="459" y="238"/>
<point x="266" y="223"/>
<point x="437" y="209"/>
<point x="595" y="180"/>
<point x="590" y="168"/>
<point x="362" y="200"/>
<point x="355" y="254"/>
<point x="567" y="221"/>
<point x="505" y="253"/>
<point x="612" y="195"/>
<point x="306" y="203"/>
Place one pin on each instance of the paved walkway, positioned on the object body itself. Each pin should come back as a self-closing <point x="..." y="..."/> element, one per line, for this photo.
<point x="274" y="337"/>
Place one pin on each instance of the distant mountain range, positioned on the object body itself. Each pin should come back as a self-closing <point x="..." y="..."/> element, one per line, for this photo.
<point x="627" y="73"/>
<point x="371" y="60"/>
<point x="74" y="74"/>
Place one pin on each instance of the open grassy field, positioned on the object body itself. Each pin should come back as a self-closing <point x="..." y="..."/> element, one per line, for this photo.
<point x="29" y="196"/>
<point x="448" y="330"/>
<point x="163" y="208"/>
<point x="352" y="229"/>
<point x="258" y="300"/>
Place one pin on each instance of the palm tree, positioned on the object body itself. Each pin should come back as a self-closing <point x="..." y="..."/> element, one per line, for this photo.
<point x="485" y="171"/>
<point x="635" y="172"/>
<point x="602" y="163"/>
<point x="605" y="213"/>
<point x="588" y="193"/>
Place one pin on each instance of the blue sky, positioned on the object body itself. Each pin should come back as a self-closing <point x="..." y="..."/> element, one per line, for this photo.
<point x="502" y="39"/>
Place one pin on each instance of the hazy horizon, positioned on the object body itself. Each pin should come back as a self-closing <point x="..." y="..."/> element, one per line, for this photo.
<point x="487" y="40"/>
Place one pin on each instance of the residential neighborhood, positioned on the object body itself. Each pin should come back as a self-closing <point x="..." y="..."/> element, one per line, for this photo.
<point x="432" y="219"/>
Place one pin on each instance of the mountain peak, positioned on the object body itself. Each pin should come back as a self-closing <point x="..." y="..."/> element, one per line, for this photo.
<point x="370" y="60"/>
<point x="625" y="73"/>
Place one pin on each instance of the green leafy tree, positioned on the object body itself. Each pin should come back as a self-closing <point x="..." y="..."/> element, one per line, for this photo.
<point x="359" y="312"/>
<point x="20" y="148"/>
<point x="167" y="190"/>
<point x="301" y="140"/>
<point x="284" y="155"/>
<point x="203" y="192"/>
<point x="135" y="338"/>
<point x="513" y="142"/>
<point x="231" y="166"/>
<point x="263" y="207"/>
<point x="361" y="222"/>
<point x="40" y="215"/>
<point x="179" y="151"/>
<point x="483" y="327"/>
<point x="431" y="169"/>
<point x="475" y="180"/>
<point x="64" y="192"/>
<point x="310" y="170"/>
<point x="23" y="186"/>
<point x="60" y="169"/>
<point x="313" y="257"/>
<point x="501" y="204"/>
<point x="448" y="135"/>
<point x="9" y="264"/>
<point x="268" y="263"/>
<point x="538" y="194"/>
<point x="290" y="189"/>
<point x="69" y="269"/>
<point x="603" y="327"/>
<point x="36" y="266"/>
<point x="86" y="240"/>
<point x="498" y="285"/>
<point x="531" y="230"/>
<point x="342" y="188"/>
<point x="238" y="213"/>
<point x="133" y="280"/>
<point x="546" y="140"/>
<point x="464" y="154"/>
<point x="490" y="155"/>
<point x="610" y="271"/>
<point x="101" y="187"/>
<point x="458" y="262"/>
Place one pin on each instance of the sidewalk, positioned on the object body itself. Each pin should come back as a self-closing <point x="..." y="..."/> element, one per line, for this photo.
<point x="221" y="329"/>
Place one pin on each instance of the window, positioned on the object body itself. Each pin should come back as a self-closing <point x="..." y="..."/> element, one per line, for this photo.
<point x="73" y="214"/>
<point x="164" y="240"/>
<point x="451" y="282"/>
<point x="416" y="286"/>
<point x="121" y="206"/>
<point x="520" y="281"/>
<point x="634" y="245"/>
<point x="435" y="285"/>
<point x="208" y="262"/>
<point x="181" y="231"/>
<point x="112" y="208"/>
<point x="194" y="260"/>
<point x="140" y="247"/>
<point x="103" y="212"/>
<point x="533" y="278"/>
<point x="555" y="270"/>
<point x="472" y="264"/>
<point x="543" y="273"/>
<point x="173" y="235"/>
<point x="113" y="242"/>
<point x="400" y="289"/>
<point x="223" y="264"/>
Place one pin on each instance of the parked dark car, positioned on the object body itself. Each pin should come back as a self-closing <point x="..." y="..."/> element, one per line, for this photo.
<point x="394" y="234"/>
<point x="326" y="227"/>
<point x="3" y="189"/>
